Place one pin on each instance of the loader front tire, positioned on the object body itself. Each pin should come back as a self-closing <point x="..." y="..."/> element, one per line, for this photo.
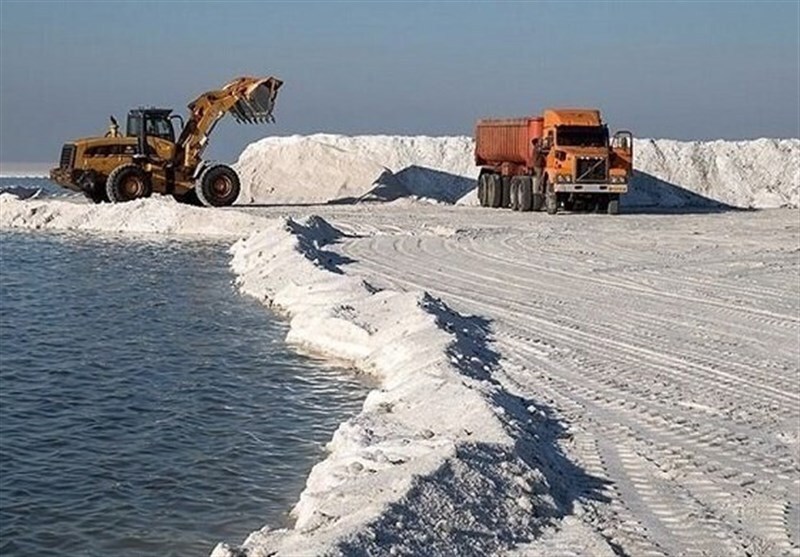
<point x="218" y="186"/>
<point x="128" y="182"/>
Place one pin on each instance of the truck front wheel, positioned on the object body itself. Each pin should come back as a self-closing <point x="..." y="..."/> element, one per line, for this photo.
<point x="550" y="199"/>
<point x="613" y="205"/>
<point x="218" y="186"/>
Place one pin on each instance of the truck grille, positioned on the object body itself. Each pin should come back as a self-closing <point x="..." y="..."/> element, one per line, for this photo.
<point x="67" y="155"/>
<point x="591" y="169"/>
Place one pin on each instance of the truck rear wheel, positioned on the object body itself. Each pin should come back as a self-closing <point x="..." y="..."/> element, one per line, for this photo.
<point x="128" y="182"/>
<point x="513" y="202"/>
<point x="505" y="188"/>
<point x="525" y="193"/>
<point x="494" y="191"/>
<point x="482" y="190"/>
<point x="218" y="186"/>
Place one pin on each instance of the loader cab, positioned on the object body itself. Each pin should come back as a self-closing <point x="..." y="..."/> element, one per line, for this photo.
<point x="155" y="122"/>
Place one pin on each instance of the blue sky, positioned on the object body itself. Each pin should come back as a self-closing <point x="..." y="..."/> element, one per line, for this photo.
<point x="682" y="70"/>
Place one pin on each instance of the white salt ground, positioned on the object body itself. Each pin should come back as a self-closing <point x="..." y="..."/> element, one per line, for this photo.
<point x="453" y="454"/>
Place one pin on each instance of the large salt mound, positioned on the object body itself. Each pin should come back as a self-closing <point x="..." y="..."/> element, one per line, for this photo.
<point x="326" y="168"/>
<point x="322" y="168"/>
<point x="760" y="173"/>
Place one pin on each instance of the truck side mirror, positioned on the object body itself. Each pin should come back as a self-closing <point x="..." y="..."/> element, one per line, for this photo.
<point x="623" y="140"/>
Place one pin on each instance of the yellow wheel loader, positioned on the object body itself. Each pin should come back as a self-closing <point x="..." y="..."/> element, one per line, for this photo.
<point x="148" y="158"/>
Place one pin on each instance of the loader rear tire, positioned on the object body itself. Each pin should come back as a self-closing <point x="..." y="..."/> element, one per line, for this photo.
<point x="613" y="206"/>
<point x="128" y="182"/>
<point x="218" y="186"/>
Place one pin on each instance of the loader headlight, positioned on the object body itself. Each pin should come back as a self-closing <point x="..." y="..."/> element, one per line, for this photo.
<point x="564" y="178"/>
<point x="619" y="179"/>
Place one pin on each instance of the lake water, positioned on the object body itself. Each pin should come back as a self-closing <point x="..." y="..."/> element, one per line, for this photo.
<point x="146" y="407"/>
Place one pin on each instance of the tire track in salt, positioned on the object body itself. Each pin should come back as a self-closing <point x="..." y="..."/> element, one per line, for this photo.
<point x="644" y="325"/>
<point x="425" y="280"/>
<point x="564" y="340"/>
<point x="583" y="333"/>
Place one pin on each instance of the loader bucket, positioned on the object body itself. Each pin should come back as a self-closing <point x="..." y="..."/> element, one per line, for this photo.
<point x="255" y="99"/>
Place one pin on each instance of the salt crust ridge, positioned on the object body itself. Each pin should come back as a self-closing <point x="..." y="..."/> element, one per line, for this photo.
<point x="441" y="460"/>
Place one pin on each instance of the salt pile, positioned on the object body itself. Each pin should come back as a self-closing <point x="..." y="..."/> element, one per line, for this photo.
<point x="324" y="168"/>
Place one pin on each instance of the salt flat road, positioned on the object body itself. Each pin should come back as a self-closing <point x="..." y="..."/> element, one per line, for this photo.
<point x="668" y="344"/>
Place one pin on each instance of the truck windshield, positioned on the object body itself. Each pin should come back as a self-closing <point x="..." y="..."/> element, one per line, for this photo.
<point x="582" y="136"/>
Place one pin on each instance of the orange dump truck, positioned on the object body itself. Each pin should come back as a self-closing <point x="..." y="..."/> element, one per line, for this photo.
<point x="562" y="159"/>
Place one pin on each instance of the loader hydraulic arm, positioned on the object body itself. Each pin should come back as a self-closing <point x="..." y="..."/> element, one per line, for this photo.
<point x="249" y="99"/>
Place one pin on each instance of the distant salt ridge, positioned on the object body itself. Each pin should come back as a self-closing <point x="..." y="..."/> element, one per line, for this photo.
<point x="24" y="169"/>
<point x="322" y="168"/>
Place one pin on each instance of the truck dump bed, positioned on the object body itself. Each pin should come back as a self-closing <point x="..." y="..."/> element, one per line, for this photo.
<point x="506" y="140"/>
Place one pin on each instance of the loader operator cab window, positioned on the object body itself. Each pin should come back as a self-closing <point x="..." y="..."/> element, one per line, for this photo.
<point x="582" y="136"/>
<point x="155" y="125"/>
<point x="159" y="126"/>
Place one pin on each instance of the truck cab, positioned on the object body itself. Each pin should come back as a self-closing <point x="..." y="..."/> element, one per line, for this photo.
<point x="582" y="165"/>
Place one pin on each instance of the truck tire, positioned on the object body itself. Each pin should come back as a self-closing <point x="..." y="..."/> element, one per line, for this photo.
<point x="613" y="206"/>
<point x="515" y="191"/>
<point x="505" y="188"/>
<point x="482" y="190"/>
<point x="525" y="193"/>
<point x="494" y="191"/>
<point x="218" y="186"/>
<point x="128" y="182"/>
<point x="537" y="199"/>
<point x="550" y="199"/>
